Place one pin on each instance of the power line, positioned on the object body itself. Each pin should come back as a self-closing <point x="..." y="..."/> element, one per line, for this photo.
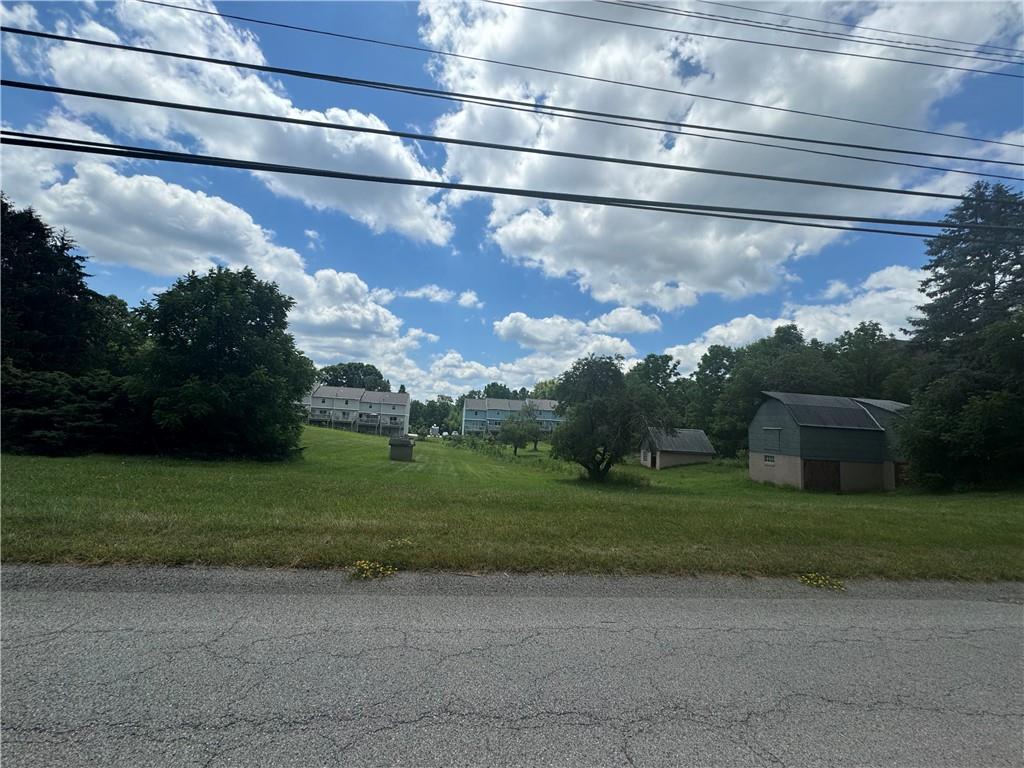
<point x="39" y="141"/>
<point x="528" y="67"/>
<point x="549" y="109"/>
<point x="465" y="142"/>
<point x="933" y="48"/>
<point x="860" y="26"/>
<point x="806" y="32"/>
<point x="651" y="27"/>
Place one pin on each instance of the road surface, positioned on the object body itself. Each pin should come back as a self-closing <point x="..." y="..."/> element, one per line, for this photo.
<point x="221" y="667"/>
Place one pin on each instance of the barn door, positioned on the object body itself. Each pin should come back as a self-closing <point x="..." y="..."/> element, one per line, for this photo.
<point x="821" y="475"/>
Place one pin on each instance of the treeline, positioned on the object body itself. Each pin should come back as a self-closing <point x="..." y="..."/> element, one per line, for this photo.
<point x="205" y="368"/>
<point x="962" y="368"/>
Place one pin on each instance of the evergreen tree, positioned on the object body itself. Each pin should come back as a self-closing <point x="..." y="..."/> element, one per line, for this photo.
<point x="44" y="302"/>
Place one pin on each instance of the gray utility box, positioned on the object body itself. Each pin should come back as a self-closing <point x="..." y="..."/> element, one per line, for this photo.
<point x="401" y="448"/>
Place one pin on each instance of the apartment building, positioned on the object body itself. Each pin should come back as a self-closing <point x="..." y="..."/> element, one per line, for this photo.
<point x="485" y="415"/>
<point x="382" y="413"/>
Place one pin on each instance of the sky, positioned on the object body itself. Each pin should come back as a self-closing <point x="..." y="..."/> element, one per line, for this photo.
<point x="446" y="291"/>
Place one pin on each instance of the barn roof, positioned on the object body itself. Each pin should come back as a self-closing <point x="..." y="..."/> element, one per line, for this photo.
<point x="826" y="411"/>
<point x="681" y="441"/>
<point x="892" y="406"/>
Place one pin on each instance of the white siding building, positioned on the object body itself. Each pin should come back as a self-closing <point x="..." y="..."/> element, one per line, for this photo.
<point x="481" y="416"/>
<point x="382" y="413"/>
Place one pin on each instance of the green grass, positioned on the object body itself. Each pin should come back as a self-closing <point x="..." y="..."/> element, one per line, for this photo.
<point x="456" y="509"/>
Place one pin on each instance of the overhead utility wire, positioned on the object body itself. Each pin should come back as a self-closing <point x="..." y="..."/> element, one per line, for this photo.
<point x="783" y="26"/>
<point x="859" y="26"/>
<point x="624" y="83"/>
<point x="804" y="31"/>
<point x="789" y="46"/>
<point x="466" y="142"/>
<point x="74" y="145"/>
<point x="39" y="141"/>
<point x="533" y="107"/>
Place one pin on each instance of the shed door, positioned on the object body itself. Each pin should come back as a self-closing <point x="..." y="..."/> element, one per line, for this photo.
<point x="821" y="475"/>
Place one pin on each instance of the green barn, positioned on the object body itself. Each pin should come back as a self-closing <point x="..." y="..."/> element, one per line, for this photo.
<point x="826" y="443"/>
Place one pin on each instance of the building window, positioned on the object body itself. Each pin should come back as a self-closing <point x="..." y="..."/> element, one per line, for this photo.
<point x="322" y="402"/>
<point x="769" y="459"/>
<point x="392" y="407"/>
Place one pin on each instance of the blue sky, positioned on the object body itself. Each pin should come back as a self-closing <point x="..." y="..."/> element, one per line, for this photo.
<point x="548" y="283"/>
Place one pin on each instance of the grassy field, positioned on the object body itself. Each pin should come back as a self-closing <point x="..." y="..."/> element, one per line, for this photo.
<point x="456" y="509"/>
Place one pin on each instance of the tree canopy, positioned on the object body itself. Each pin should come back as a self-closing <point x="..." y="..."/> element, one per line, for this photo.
<point x="603" y="415"/>
<point x="357" y="375"/>
<point x="220" y="373"/>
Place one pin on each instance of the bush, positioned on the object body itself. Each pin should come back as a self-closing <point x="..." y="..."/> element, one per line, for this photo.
<point x="55" y="413"/>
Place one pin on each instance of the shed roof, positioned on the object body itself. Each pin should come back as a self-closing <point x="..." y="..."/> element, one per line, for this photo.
<point x="681" y="441"/>
<point x="826" y="411"/>
<point x="892" y="406"/>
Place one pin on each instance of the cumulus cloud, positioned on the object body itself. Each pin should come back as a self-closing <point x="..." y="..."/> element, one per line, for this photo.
<point x="336" y="315"/>
<point x="889" y="296"/>
<point x="470" y="300"/>
<point x="410" y="211"/>
<point x="667" y="261"/>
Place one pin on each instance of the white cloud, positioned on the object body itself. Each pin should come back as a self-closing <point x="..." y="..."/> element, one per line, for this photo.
<point x="626" y="320"/>
<point x="663" y="260"/>
<point x="836" y="289"/>
<point x="470" y="300"/>
<point x="313" y="241"/>
<point x="889" y="296"/>
<point x="336" y="316"/>
<point x="410" y="211"/>
<point x="431" y="292"/>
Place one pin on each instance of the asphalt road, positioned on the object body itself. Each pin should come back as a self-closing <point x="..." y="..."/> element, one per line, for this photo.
<point x="217" y="667"/>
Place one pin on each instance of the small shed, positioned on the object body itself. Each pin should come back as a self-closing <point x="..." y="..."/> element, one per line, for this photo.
<point x="825" y="442"/>
<point x="401" y="448"/>
<point x="664" y="448"/>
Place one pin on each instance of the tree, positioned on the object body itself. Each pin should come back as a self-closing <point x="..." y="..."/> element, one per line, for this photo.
<point x="604" y="417"/>
<point x="357" y="375"/>
<point x="498" y="391"/>
<point x="116" y="334"/>
<point x="44" y="302"/>
<point x="783" y="362"/>
<point x="975" y="277"/>
<point x="709" y="380"/>
<point x="871" y="363"/>
<point x="221" y="375"/>
<point x="545" y="389"/>
<point x="514" y="432"/>
<point x="658" y="384"/>
<point x="964" y="426"/>
<point x="401" y="389"/>
<point x="529" y="415"/>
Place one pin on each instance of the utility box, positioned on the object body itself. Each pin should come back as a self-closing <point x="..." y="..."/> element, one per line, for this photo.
<point x="401" y="448"/>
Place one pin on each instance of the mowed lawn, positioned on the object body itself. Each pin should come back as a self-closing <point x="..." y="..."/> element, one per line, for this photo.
<point x="343" y="500"/>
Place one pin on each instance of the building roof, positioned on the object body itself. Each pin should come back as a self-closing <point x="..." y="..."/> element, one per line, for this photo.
<point x="360" y="395"/>
<point x="501" y="404"/>
<point x="681" y="441"/>
<point x="347" y="393"/>
<point x="826" y="411"/>
<point x="892" y="406"/>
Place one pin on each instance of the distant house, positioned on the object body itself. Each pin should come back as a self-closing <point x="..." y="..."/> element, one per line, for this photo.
<point x="662" y="448"/>
<point x="359" y="410"/>
<point x="826" y="443"/>
<point x="481" y="416"/>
